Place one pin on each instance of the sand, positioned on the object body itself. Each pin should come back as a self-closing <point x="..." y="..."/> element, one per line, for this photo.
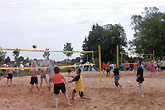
<point x="105" y="96"/>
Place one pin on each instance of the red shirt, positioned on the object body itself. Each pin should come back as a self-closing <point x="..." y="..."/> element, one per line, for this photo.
<point x="107" y="66"/>
<point x="104" y="65"/>
<point x="69" y="68"/>
<point x="134" y="65"/>
<point x="127" y="65"/>
<point x="58" y="78"/>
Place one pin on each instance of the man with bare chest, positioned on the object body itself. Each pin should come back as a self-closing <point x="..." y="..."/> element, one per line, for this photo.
<point x="34" y="78"/>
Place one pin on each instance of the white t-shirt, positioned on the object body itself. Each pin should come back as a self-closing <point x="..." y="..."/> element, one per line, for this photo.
<point x="21" y="66"/>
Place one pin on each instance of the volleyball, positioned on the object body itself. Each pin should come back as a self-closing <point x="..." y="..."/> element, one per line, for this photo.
<point x="34" y="46"/>
<point x="129" y="82"/>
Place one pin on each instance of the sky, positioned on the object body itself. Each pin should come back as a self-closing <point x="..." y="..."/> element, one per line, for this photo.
<point x="52" y="23"/>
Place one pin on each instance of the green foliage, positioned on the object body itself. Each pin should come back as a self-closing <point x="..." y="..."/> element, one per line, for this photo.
<point x="108" y="36"/>
<point x="76" y="60"/>
<point x="149" y="32"/>
<point x="16" y="55"/>
<point x="7" y="60"/>
<point x="68" y="47"/>
<point x="2" y="55"/>
<point x="26" y="60"/>
<point x="20" y="59"/>
<point x="46" y="54"/>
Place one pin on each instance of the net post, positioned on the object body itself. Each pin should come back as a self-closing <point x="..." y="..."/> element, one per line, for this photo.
<point x="117" y="55"/>
<point x="153" y="56"/>
<point x="93" y="58"/>
<point x="87" y="56"/>
<point x="100" y="62"/>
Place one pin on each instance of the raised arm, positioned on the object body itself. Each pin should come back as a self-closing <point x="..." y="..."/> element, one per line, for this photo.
<point x="65" y="80"/>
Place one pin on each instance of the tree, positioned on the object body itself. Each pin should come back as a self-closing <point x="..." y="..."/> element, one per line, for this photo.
<point x="26" y="60"/>
<point x="20" y="59"/>
<point x="16" y="55"/>
<point x="68" y="47"/>
<point x="149" y="32"/>
<point x="7" y="60"/>
<point x="108" y="36"/>
<point x="2" y="55"/>
<point x="46" y="54"/>
<point x="76" y="60"/>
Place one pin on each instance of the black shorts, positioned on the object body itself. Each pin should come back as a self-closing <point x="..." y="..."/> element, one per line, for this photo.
<point x="80" y="93"/>
<point x="108" y="70"/>
<point x="3" y="70"/>
<point x="127" y="69"/>
<point x="140" y="81"/>
<point x="162" y="68"/>
<point x="104" y="69"/>
<point x="158" y="66"/>
<point x="34" y="80"/>
<point x="58" y="87"/>
<point x="9" y="76"/>
<point x="69" y="71"/>
<point x="43" y="76"/>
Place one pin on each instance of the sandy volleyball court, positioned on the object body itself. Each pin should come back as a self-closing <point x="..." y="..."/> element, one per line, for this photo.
<point x="105" y="95"/>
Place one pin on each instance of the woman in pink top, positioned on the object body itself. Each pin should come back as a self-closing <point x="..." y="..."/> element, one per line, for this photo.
<point x="152" y="68"/>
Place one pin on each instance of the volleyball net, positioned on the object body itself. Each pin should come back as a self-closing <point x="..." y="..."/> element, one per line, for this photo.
<point x="145" y="57"/>
<point x="58" y="56"/>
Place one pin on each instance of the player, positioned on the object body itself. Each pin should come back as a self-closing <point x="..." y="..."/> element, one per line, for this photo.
<point x="108" y="70"/>
<point x="134" y="67"/>
<point x="78" y="85"/>
<point x="158" y="66"/>
<point x="22" y="70"/>
<point x="152" y="68"/>
<point x="155" y="65"/>
<point x="10" y="74"/>
<point x="43" y="75"/>
<point x="140" y="78"/>
<point x="116" y="76"/>
<point x="58" y="80"/>
<point x="127" y="66"/>
<point x="69" y="70"/>
<point x="34" y="79"/>
<point x="162" y="65"/>
<point x="104" y="67"/>
<point x="51" y="72"/>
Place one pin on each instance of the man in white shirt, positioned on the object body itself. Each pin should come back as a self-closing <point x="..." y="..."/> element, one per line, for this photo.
<point x="22" y="70"/>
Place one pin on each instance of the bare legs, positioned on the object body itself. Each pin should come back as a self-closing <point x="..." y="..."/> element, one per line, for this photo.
<point x="8" y="82"/>
<point x="50" y="83"/>
<point x="32" y="87"/>
<point x="56" y="100"/>
<point x="45" y="81"/>
<point x="83" y="97"/>
<point x="21" y="74"/>
<point x="141" y="90"/>
<point x="108" y="74"/>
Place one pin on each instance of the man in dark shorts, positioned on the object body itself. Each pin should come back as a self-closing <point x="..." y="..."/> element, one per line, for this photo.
<point x="34" y="79"/>
<point x="10" y="74"/>
<point x="140" y="78"/>
<point x="116" y="76"/>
